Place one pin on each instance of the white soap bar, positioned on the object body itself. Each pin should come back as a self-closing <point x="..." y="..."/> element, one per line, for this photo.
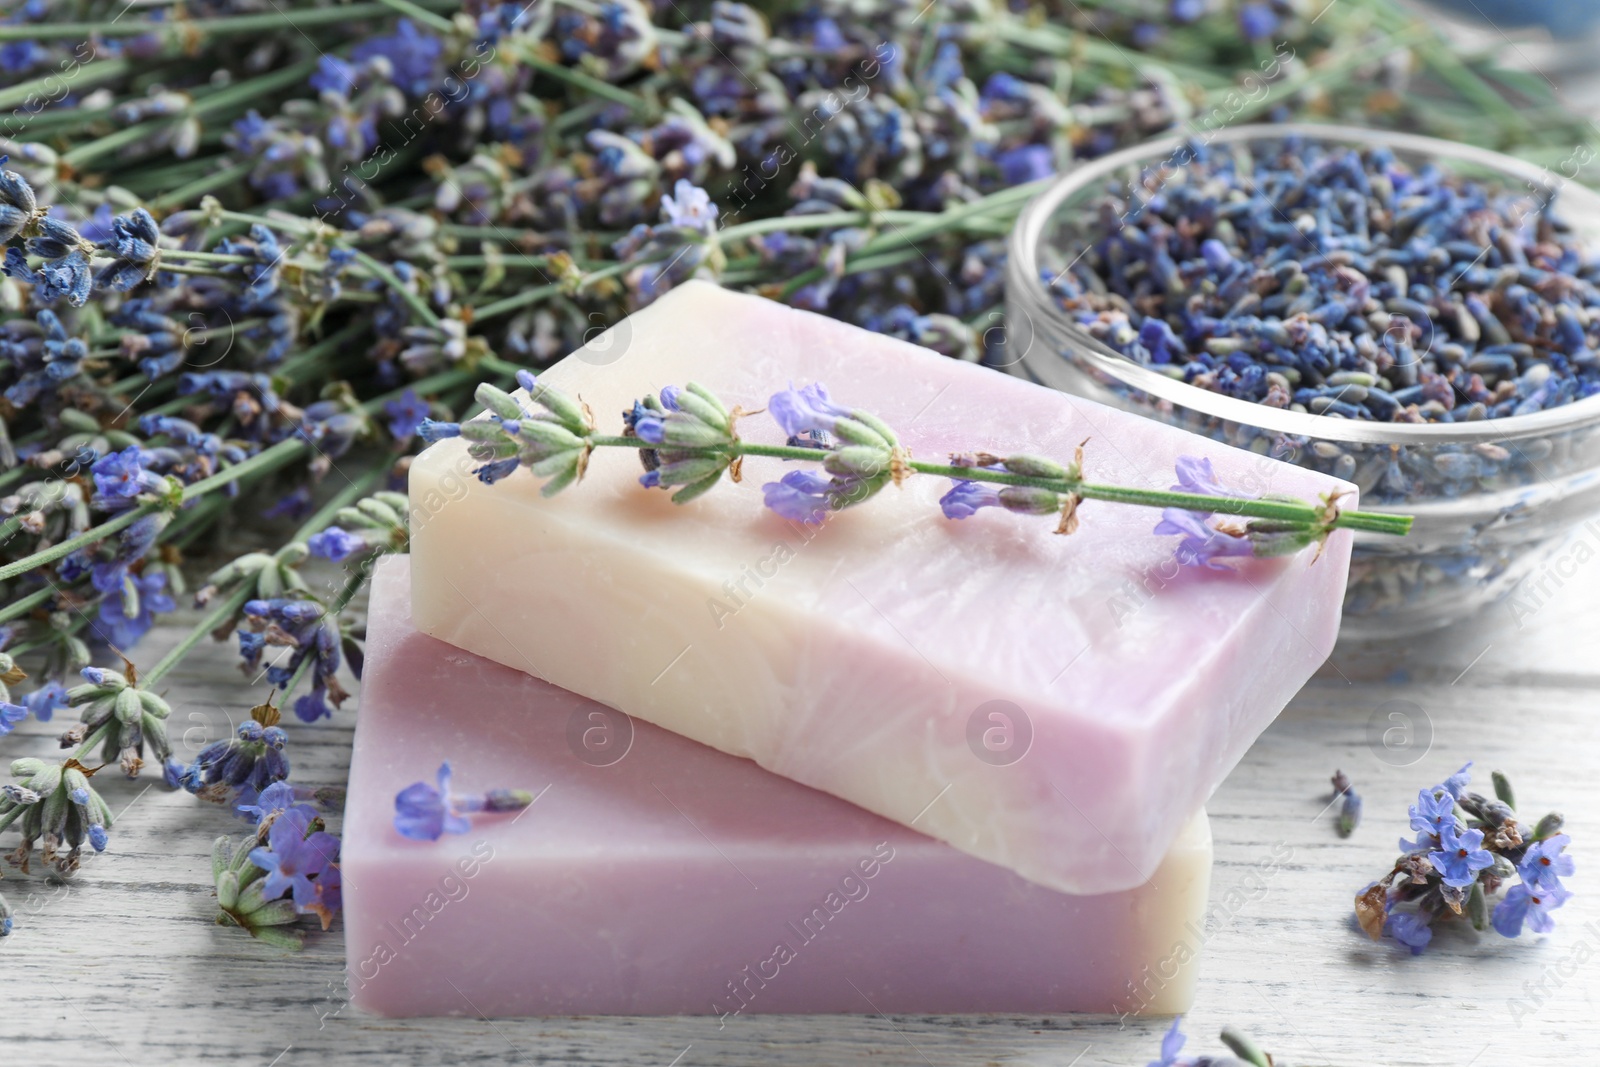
<point x="1059" y="705"/>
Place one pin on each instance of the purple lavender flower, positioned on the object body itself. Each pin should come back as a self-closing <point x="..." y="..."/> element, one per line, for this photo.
<point x="128" y="611"/>
<point x="689" y="206"/>
<point x="1526" y="904"/>
<point x="1460" y="857"/>
<point x="1545" y="863"/>
<point x="1410" y="930"/>
<point x="1026" y="163"/>
<point x="406" y="414"/>
<point x="275" y="798"/>
<point x="1184" y="11"/>
<point x="1457" y="782"/>
<point x="965" y="498"/>
<point x="799" y="496"/>
<point x="44" y="701"/>
<point x="10" y="716"/>
<point x="133" y="244"/>
<point x="651" y="428"/>
<point x="121" y="476"/>
<point x="335" y="544"/>
<point x="1196" y="476"/>
<point x="1202" y="544"/>
<point x="64" y="274"/>
<point x="1257" y="21"/>
<point x="1172" y="1043"/>
<point x="805" y="409"/>
<point x="424" y="813"/>
<point x="413" y="54"/>
<point x="1434" y="810"/>
<point x="293" y="857"/>
<point x="433" y="431"/>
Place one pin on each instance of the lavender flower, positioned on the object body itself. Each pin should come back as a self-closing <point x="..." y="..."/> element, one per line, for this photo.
<point x="128" y="611"/>
<point x="1451" y="870"/>
<point x="799" y="496"/>
<point x="805" y="410"/>
<point x="336" y="544"/>
<point x="1410" y="930"/>
<point x="406" y="414"/>
<point x="1460" y="857"/>
<point x="121" y="476"/>
<point x="1546" y="863"/>
<point x="425" y="813"/>
<point x="1202" y="543"/>
<point x="10" y="716"/>
<point x="690" y="207"/>
<point x="64" y="274"/>
<point x="1172" y="1043"/>
<point x="295" y="855"/>
<point x="965" y="498"/>
<point x="1528" y="904"/>
<point x="44" y="701"/>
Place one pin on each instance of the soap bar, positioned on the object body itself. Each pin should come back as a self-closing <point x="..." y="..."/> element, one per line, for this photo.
<point x="1059" y="705"/>
<point x="654" y="875"/>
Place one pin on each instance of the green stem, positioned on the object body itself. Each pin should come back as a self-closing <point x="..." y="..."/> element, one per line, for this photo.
<point x="588" y="83"/>
<point x="422" y="15"/>
<point x="539" y="292"/>
<point x="92" y="72"/>
<point x="1284" y="510"/>
<point x="382" y="272"/>
<point x="343" y="498"/>
<point x="247" y="90"/>
<point x="23" y="605"/>
<point x="200" y="29"/>
<point x="352" y="586"/>
<point x="215" y="618"/>
<point x="200" y="187"/>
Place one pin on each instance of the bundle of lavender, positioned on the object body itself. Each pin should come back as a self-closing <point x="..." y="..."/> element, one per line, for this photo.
<point x="251" y="247"/>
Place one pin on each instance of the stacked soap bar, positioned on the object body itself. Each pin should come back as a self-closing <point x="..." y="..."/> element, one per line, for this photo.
<point x="1058" y="705"/>
<point x="654" y="875"/>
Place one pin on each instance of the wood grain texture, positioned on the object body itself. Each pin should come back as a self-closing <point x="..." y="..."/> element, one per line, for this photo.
<point x="123" y="964"/>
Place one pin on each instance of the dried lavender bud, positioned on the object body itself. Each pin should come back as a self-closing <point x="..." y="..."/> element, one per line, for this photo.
<point x="1502" y="789"/>
<point x="1349" y="813"/>
<point x="1549" y="826"/>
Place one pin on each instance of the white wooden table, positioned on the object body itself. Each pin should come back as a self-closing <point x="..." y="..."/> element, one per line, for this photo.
<point x="123" y="964"/>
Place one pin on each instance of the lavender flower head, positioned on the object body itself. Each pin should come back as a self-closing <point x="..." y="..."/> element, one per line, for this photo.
<point x="799" y="496"/>
<point x="805" y="410"/>
<point x="965" y="498"/>
<point x="689" y="206"/>
<point x="1456" y="864"/>
<point x="1202" y="544"/>
<point x="425" y="813"/>
<point x="294" y="856"/>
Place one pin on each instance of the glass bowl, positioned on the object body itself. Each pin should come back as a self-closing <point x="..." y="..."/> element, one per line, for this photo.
<point x="1493" y="499"/>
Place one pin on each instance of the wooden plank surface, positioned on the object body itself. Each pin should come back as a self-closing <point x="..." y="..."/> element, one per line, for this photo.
<point x="123" y="964"/>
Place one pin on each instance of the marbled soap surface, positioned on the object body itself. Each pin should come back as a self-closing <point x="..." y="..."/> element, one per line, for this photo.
<point x="870" y="658"/>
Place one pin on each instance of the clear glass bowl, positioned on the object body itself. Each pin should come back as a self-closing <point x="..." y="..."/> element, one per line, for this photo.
<point x="1493" y="499"/>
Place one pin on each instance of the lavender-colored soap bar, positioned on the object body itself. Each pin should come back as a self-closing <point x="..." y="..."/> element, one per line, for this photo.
<point x="654" y="875"/>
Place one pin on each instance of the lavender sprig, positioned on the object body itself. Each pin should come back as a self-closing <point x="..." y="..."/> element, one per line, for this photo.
<point x="1467" y="849"/>
<point x="687" y="440"/>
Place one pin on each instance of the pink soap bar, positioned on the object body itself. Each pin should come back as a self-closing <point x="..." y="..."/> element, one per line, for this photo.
<point x="1059" y="705"/>
<point x="654" y="875"/>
